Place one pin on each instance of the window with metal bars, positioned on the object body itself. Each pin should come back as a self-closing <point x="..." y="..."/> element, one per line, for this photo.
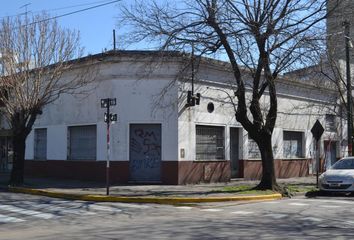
<point x="330" y="123"/>
<point x="292" y="144"/>
<point x="82" y="142"/>
<point x="253" y="150"/>
<point x="210" y="143"/>
<point x="40" y="144"/>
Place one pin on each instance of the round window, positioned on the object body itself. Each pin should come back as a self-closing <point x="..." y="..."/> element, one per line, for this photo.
<point x="210" y="107"/>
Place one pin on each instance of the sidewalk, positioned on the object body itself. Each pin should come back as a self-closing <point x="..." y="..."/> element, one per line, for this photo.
<point x="172" y="194"/>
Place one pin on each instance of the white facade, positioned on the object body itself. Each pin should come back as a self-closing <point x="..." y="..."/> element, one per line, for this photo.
<point x="151" y="93"/>
<point x="135" y="101"/>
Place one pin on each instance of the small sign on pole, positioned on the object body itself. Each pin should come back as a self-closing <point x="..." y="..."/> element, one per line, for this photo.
<point x="317" y="131"/>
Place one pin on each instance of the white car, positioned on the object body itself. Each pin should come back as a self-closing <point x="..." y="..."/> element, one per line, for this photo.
<point x="339" y="177"/>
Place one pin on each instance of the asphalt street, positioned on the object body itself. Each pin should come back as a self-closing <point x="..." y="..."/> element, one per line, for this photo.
<point x="34" y="217"/>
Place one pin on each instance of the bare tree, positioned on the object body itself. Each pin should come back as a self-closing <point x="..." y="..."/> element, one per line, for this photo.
<point x="265" y="37"/>
<point x="36" y="58"/>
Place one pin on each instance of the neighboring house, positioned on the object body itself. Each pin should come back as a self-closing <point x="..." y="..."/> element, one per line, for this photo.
<point x="157" y="138"/>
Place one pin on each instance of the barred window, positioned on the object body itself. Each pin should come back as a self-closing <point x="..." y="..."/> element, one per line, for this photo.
<point x="82" y="142"/>
<point x="253" y="150"/>
<point x="40" y="143"/>
<point x="292" y="144"/>
<point x="330" y="123"/>
<point x="210" y="143"/>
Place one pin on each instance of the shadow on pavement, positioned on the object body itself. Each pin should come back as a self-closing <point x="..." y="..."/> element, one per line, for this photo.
<point x="314" y="194"/>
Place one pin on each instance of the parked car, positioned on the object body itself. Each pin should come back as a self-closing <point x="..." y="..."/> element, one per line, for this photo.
<point x="339" y="177"/>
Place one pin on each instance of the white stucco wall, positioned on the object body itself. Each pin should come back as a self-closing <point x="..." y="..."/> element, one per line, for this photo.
<point x="299" y="106"/>
<point x="138" y="92"/>
<point x="136" y="103"/>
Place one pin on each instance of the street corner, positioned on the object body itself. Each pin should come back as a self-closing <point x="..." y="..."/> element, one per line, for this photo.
<point x="142" y="199"/>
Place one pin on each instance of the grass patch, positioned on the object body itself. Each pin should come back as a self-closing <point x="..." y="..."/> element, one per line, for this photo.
<point x="244" y="189"/>
<point x="293" y="188"/>
<point x="248" y="189"/>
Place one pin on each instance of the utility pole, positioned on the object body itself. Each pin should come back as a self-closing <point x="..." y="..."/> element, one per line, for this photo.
<point x="114" y="40"/>
<point x="346" y="25"/>
<point x="192" y="99"/>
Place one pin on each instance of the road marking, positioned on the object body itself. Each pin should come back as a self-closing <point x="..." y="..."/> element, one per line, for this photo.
<point x="184" y="208"/>
<point x="242" y="212"/>
<point x="130" y="205"/>
<point x="313" y="219"/>
<point x="276" y="215"/>
<point x="329" y="206"/>
<point x="325" y="200"/>
<point x="60" y="209"/>
<point x="299" y="204"/>
<point x="26" y="212"/>
<point x="211" y="210"/>
<point x="104" y="208"/>
<point x="338" y="201"/>
<point x="70" y="210"/>
<point x="7" y="219"/>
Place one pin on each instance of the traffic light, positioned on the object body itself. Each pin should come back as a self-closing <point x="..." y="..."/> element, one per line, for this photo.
<point x="197" y="99"/>
<point x="192" y="100"/>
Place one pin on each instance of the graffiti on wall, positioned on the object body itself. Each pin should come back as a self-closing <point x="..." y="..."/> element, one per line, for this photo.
<point x="145" y="150"/>
<point x="145" y="142"/>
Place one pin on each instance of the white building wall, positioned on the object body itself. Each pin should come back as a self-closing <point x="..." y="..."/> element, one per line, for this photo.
<point x="136" y="102"/>
<point x="299" y="106"/>
<point x="223" y="116"/>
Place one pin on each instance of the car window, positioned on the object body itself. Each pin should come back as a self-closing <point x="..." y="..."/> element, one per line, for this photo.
<point x="344" y="164"/>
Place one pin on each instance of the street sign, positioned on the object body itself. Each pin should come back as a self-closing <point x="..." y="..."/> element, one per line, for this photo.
<point x="108" y="118"/>
<point x="113" y="117"/>
<point x="317" y="130"/>
<point x="112" y="101"/>
<point x="104" y="102"/>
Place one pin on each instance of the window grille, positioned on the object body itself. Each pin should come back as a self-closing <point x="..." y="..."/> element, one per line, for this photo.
<point x="40" y="143"/>
<point x="210" y="143"/>
<point x="330" y="123"/>
<point x="253" y="150"/>
<point x="292" y="144"/>
<point x="82" y="142"/>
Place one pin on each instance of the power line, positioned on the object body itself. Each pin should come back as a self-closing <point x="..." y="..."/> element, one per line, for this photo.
<point x="55" y="9"/>
<point x="77" y="5"/>
<point x="73" y="12"/>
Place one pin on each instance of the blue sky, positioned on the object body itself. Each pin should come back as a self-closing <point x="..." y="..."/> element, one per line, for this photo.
<point x="95" y="25"/>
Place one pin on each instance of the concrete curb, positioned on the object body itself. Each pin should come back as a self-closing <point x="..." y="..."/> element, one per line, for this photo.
<point x="142" y="199"/>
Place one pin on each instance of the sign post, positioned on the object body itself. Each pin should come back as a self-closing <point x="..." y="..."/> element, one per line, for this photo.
<point x="317" y="131"/>
<point x="108" y="118"/>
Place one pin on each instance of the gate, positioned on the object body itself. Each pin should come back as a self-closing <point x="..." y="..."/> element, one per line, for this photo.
<point x="234" y="153"/>
<point x="145" y="152"/>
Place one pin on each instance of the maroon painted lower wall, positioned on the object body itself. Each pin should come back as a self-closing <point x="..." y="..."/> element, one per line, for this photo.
<point x="172" y="172"/>
<point x="94" y="170"/>
<point x="203" y="171"/>
<point x="284" y="168"/>
<point x="78" y="170"/>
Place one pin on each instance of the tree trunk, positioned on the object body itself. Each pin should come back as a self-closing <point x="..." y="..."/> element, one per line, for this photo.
<point x="19" y="145"/>
<point x="268" y="180"/>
